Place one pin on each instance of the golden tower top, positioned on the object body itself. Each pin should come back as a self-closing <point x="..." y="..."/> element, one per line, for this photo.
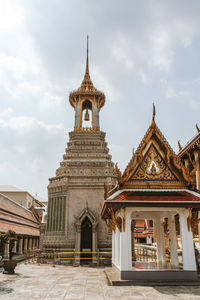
<point x="87" y="97"/>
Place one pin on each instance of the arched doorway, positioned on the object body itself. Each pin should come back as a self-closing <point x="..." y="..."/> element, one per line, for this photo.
<point x="86" y="239"/>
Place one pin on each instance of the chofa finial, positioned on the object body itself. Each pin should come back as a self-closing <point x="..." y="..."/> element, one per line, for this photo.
<point x="179" y="146"/>
<point x="197" y="127"/>
<point x="154" y="113"/>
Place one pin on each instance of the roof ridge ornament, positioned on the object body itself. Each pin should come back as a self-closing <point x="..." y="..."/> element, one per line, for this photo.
<point x="179" y="145"/>
<point x="154" y="113"/>
<point x="197" y="127"/>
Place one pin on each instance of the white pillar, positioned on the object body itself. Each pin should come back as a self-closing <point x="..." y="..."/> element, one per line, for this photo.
<point x="117" y="246"/>
<point x="161" y="253"/>
<point x="113" y="246"/>
<point x="125" y="246"/>
<point x="187" y="242"/>
<point x="173" y="242"/>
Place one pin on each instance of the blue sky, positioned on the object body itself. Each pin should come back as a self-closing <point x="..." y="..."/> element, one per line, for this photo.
<point x="139" y="52"/>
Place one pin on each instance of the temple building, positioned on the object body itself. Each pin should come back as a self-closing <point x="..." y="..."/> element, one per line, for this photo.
<point x="22" y="197"/>
<point x="155" y="186"/>
<point x="190" y="156"/>
<point x="25" y="222"/>
<point x="75" y="193"/>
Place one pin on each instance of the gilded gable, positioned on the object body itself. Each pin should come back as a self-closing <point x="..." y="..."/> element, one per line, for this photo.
<point x="153" y="168"/>
<point x="154" y="164"/>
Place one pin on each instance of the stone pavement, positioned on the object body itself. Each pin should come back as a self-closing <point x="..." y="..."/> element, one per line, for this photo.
<point x="45" y="282"/>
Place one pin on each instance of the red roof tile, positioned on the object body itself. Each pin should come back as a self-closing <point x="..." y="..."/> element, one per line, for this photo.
<point x="143" y="196"/>
<point x="16" y="217"/>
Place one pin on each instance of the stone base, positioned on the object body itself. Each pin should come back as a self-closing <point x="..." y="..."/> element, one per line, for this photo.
<point x="151" y="277"/>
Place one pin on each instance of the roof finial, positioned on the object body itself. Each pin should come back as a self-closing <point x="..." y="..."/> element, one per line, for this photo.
<point x="87" y="75"/>
<point x="197" y="127"/>
<point x="179" y="146"/>
<point x="154" y="113"/>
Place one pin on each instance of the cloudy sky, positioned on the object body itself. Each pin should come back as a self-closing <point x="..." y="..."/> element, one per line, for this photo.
<point x="140" y="52"/>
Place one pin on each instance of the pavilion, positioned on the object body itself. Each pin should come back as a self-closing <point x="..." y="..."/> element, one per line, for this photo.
<point x="154" y="186"/>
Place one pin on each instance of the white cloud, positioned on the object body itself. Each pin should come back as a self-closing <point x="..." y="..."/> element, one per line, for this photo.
<point x="26" y="123"/>
<point x="10" y="14"/>
<point x="135" y="48"/>
<point x="186" y="93"/>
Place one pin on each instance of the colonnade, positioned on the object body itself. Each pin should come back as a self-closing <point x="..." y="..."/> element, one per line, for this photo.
<point x="122" y="246"/>
<point x="22" y="244"/>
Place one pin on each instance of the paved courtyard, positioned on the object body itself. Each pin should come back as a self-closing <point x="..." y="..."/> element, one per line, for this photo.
<point x="46" y="282"/>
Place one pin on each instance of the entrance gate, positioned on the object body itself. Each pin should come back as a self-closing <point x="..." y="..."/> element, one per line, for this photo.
<point x="86" y="240"/>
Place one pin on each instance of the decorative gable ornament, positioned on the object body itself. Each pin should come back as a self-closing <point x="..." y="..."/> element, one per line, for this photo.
<point x="153" y="168"/>
<point x="154" y="164"/>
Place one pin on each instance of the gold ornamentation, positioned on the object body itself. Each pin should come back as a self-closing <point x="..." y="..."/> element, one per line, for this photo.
<point x="87" y="91"/>
<point x="192" y="220"/>
<point x="175" y="173"/>
<point x="179" y="146"/>
<point x="153" y="167"/>
<point x="119" y="174"/>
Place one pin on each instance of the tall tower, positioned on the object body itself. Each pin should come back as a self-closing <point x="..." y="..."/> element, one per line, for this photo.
<point x="75" y="194"/>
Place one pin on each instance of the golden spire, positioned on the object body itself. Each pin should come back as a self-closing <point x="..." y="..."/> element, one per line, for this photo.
<point x="87" y="75"/>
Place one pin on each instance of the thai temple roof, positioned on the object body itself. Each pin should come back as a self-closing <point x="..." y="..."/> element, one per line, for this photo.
<point x="14" y="216"/>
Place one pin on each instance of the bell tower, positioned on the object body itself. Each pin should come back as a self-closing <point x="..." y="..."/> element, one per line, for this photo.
<point x="86" y="98"/>
<point x="77" y="191"/>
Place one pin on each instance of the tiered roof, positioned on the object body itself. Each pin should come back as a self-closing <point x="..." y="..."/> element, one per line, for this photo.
<point x="155" y="176"/>
<point x="14" y="216"/>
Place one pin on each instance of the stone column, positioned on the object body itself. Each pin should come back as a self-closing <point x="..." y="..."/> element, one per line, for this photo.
<point x="6" y="250"/>
<point x="78" y="242"/>
<point x="187" y="242"/>
<point x="49" y="215"/>
<point x="30" y="243"/>
<point x="173" y="241"/>
<point x="15" y="247"/>
<point x="94" y="237"/>
<point x="25" y="244"/>
<point x="38" y="243"/>
<point x="160" y="241"/>
<point x="52" y="213"/>
<point x="125" y="246"/>
<point x="78" y="238"/>
<point x="20" y="245"/>
<point x="197" y="162"/>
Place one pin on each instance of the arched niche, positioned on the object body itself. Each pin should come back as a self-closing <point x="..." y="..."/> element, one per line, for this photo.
<point x="88" y="216"/>
<point x="87" y="110"/>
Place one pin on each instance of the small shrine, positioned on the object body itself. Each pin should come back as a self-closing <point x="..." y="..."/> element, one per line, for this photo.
<point x="154" y="186"/>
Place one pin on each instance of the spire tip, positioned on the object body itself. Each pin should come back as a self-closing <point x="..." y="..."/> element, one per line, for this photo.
<point x="154" y="112"/>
